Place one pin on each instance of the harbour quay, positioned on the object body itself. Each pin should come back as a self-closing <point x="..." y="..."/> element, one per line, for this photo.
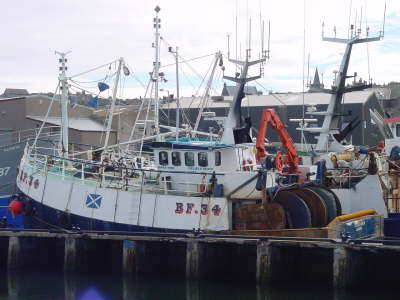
<point x="265" y="260"/>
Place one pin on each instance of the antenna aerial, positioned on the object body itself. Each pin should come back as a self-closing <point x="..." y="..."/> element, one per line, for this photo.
<point x="248" y="54"/>
<point x="384" y="20"/>
<point x="348" y="29"/>
<point x="228" y="36"/>
<point x="355" y="23"/>
<point x="262" y="38"/>
<point x="269" y="38"/>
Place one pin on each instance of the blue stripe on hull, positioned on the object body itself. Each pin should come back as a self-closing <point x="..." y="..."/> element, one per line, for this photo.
<point x="40" y="216"/>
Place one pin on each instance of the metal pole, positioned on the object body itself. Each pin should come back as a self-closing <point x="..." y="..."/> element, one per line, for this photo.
<point x="208" y="87"/>
<point x="112" y="108"/>
<point x="177" y="95"/>
<point x="64" y="104"/>
<point x="156" y="71"/>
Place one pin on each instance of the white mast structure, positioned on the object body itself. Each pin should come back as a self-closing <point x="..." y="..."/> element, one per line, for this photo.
<point x="177" y="95"/>
<point x="233" y="122"/>
<point x="112" y="108"/>
<point x="156" y="72"/>
<point x="177" y="89"/>
<point x="330" y="126"/>
<point x="64" y="103"/>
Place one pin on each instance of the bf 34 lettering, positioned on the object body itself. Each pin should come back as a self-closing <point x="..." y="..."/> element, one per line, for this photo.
<point x="190" y="208"/>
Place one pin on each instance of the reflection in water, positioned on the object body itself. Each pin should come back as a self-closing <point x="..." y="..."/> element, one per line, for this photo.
<point x="12" y="285"/>
<point x="59" y="286"/>
<point x="69" y="286"/>
<point x="92" y="294"/>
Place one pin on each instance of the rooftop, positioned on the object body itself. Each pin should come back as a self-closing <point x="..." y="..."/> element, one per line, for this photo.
<point x="15" y="92"/>
<point x="275" y="100"/>
<point x="81" y="124"/>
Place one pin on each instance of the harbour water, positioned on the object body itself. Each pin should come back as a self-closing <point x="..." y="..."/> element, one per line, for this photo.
<point x="51" y="285"/>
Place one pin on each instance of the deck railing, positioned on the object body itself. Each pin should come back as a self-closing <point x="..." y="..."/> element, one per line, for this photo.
<point x="345" y="177"/>
<point x="23" y="135"/>
<point x="118" y="175"/>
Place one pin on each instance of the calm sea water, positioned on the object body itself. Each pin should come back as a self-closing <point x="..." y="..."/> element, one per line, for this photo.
<point x="56" y="286"/>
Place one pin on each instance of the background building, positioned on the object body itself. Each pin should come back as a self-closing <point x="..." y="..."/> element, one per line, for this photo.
<point x="290" y="106"/>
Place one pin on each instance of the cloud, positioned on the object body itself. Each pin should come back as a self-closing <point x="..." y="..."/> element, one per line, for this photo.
<point x="100" y="31"/>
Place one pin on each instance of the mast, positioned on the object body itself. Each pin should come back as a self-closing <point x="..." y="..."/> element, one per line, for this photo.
<point x="156" y="71"/>
<point x="112" y="108"/>
<point x="234" y="132"/>
<point x="234" y="118"/>
<point x="177" y="89"/>
<point x="331" y="121"/>
<point x="177" y="95"/>
<point x="64" y="103"/>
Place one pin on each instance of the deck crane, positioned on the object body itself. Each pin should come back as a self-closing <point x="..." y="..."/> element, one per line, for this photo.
<point x="269" y="116"/>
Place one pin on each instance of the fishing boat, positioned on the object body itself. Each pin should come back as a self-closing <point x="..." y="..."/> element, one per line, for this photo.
<point x="12" y="145"/>
<point x="183" y="185"/>
<point x="389" y="129"/>
<point x="356" y="175"/>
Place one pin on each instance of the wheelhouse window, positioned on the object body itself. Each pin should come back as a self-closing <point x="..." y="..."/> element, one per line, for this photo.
<point x="176" y="158"/>
<point x="189" y="159"/>
<point x="163" y="158"/>
<point x="217" y="158"/>
<point x="202" y="159"/>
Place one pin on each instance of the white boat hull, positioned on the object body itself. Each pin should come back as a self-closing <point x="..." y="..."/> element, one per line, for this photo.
<point x="124" y="207"/>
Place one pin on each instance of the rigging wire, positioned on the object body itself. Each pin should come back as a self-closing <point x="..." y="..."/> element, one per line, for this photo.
<point x="92" y="81"/>
<point x="94" y="69"/>
<point x="304" y="58"/>
<point x="272" y="94"/>
<point x="145" y="123"/>
<point x="183" y="60"/>
<point x="367" y="45"/>
<point x="135" y="77"/>
<point x="46" y="116"/>
<point x="141" y="108"/>
<point x="109" y="77"/>
<point x="184" y="114"/>
<point x="188" y="60"/>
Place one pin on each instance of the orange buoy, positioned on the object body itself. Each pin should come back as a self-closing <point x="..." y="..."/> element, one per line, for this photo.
<point x="15" y="207"/>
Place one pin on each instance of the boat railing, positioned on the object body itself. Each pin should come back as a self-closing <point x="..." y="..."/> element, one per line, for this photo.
<point x="119" y="176"/>
<point x="344" y="177"/>
<point x="248" y="166"/>
<point x="23" y="135"/>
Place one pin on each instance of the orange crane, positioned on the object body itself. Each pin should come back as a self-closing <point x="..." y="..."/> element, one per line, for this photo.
<point x="269" y="116"/>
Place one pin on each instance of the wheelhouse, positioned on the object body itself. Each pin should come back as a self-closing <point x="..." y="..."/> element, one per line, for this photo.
<point x="203" y="157"/>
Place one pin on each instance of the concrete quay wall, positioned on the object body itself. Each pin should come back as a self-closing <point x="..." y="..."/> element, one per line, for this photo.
<point x="196" y="257"/>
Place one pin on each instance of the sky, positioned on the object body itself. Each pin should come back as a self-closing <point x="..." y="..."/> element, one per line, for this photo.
<point x="100" y="31"/>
